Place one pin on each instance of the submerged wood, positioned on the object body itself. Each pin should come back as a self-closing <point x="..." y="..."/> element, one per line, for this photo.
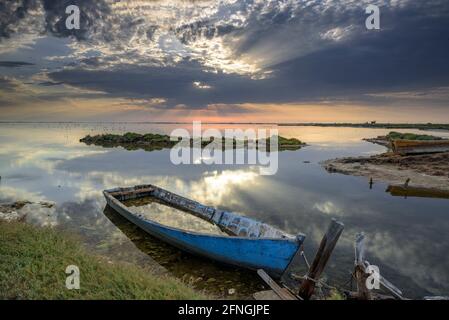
<point x="251" y="244"/>
<point x="408" y="191"/>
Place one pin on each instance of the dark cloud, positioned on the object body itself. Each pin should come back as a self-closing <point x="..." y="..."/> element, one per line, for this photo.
<point x="91" y="16"/>
<point x="50" y="83"/>
<point x="316" y="51"/>
<point x="410" y="53"/>
<point x="14" y="64"/>
<point x="11" y="12"/>
<point x="6" y="83"/>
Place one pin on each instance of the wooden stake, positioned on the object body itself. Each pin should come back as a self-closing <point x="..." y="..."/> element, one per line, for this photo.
<point x="359" y="264"/>
<point x="323" y="254"/>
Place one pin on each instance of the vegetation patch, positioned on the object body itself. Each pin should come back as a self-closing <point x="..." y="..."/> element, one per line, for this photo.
<point x="151" y="142"/>
<point x="33" y="262"/>
<point x="411" y="136"/>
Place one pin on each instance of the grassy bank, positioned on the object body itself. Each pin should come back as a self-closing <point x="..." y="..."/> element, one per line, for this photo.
<point x="411" y="136"/>
<point x="33" y="262"/>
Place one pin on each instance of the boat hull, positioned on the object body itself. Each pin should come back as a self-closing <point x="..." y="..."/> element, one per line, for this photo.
<point x="419" y="147"/>
<point x="272" y="255"/>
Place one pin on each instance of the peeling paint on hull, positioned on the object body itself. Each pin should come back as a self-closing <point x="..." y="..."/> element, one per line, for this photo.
<point x="254" y="245"/>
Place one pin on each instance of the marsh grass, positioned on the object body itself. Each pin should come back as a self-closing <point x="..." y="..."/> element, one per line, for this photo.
<point x="33" y="262"/>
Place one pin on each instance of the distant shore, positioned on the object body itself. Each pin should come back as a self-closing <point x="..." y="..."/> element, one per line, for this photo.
<point x="372" y="125"/>
<point x="417" y="126"/>
<point x="427" y="170"/>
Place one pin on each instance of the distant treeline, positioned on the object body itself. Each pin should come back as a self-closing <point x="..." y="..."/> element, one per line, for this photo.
<point x="419" y="126"/>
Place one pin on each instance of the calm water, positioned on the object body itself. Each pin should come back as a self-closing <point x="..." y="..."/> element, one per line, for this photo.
<point x="407" y="238"/>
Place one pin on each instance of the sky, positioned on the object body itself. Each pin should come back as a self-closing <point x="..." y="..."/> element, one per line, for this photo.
<point x="225" y="60"/>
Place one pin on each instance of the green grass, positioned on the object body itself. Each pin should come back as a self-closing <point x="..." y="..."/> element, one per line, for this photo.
<point x="33" y="262"/>
<point x="411" y="136"/>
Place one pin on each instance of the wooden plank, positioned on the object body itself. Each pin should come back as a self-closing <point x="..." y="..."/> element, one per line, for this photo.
<point x="283" y="293"/>
<point x="323" y="254"/>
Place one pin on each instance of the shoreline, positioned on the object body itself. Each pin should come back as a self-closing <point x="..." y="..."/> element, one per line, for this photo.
<point x="443" y="127"/>
<point x="425" y="172"/>
<point x="101" y="277"/>
<point x="421" y="171"/>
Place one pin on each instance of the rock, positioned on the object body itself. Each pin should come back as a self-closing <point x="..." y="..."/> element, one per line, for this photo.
<point x="231" y="291"/>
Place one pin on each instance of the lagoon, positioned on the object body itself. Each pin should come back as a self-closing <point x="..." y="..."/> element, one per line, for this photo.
<point x="407" y="238"/>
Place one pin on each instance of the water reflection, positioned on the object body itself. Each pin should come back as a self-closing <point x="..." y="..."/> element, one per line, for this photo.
<point x="202" y="273"/>
<point x="148" y="208"/>
<point x="408" y="239"/>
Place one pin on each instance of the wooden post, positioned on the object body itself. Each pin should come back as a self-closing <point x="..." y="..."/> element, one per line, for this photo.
<point x="323" y="254"/>
<point x="359" y="268"/>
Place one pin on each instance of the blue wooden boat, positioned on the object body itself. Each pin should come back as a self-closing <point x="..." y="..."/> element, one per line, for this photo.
<point x="250" y="244"/>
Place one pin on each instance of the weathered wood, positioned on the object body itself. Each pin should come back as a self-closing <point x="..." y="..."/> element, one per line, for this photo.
<point x="361" y="274"/>
<point x="283" y="293"/>
<point x="323" y="254"/>
<point x="359" y="249"/>
<point x="359" y="268"/>
<point x="395" y="291"/>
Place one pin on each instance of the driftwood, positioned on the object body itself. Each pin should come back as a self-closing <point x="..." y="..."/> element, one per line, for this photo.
<point x="361" y="275"/>
<point x="282" y="293"/>
<point x="323" y="254"/>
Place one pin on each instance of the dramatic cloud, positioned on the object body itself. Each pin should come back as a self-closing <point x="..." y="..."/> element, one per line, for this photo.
<point x="201" y="53"/>
<point x="14" y="64"/>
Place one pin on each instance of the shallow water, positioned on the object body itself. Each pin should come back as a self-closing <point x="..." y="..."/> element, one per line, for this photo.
<point x="148" y="209"/>
<point x="407" y="238"/>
